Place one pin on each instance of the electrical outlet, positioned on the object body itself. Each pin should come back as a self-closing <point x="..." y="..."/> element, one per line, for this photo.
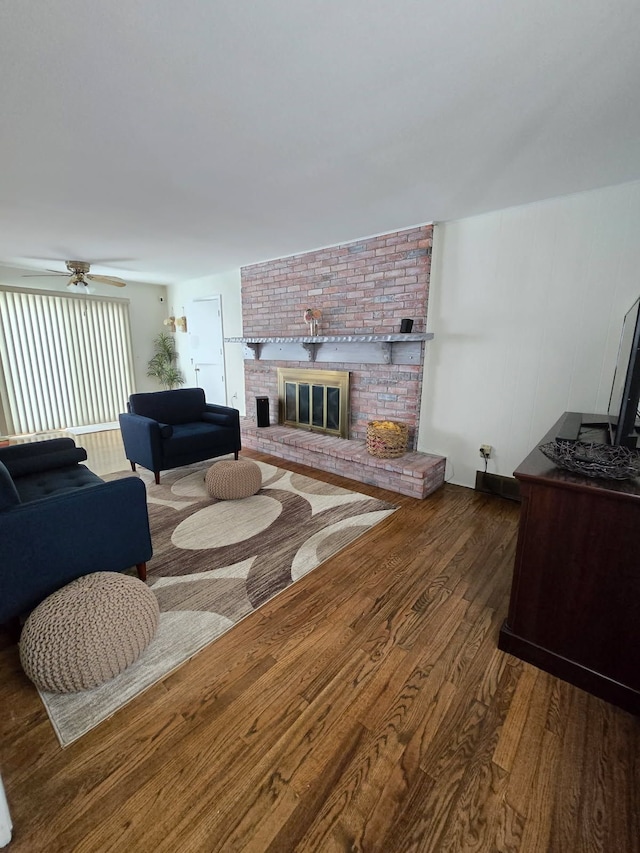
<point x="485" y="451"/>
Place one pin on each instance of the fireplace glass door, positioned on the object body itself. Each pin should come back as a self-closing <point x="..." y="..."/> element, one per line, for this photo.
<point x="314" y="399"/>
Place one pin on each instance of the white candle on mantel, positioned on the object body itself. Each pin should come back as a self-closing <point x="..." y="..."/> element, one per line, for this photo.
<point x="5" y="818"/>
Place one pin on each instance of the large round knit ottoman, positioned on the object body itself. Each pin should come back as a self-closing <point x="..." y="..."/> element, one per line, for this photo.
<point x="88" y="632"/>
<point x="230" y="480"/>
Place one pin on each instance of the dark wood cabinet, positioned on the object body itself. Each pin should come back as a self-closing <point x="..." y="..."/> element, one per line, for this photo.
<point x="574" y="609"/>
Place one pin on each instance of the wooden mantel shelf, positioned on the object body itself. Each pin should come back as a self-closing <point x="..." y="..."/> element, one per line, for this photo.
<point x="365" y="349"/>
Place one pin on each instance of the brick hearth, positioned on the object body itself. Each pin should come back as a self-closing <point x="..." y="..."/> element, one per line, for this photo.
<point x="414" y="474"/>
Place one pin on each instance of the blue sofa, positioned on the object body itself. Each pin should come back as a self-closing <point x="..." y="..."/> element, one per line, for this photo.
<point x="59" y="521"/>
<point x="168" y="429"/>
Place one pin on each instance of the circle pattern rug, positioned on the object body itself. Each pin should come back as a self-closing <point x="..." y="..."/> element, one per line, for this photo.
<point x="215" y="562"/>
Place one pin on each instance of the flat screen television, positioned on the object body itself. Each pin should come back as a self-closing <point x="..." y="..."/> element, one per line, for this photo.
<point x="619" y="426"/>
<point x="625" y="389"/>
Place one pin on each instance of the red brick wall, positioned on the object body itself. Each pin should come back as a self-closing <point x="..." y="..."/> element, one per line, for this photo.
<point x="365" y="287"/>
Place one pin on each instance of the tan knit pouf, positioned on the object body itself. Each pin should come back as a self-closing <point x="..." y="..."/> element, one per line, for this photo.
<point x="230" y="479"/>
<point x="88" y="632"/>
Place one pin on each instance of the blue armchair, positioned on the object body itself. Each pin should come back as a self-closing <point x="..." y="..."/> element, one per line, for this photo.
<point x="59" y="521"/>
<point x="168" y="429"/>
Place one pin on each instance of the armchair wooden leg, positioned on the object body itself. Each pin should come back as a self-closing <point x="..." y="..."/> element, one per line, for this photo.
<point x="133" y="465"/>
<point x="156" y="474"/>
<point x="235" y="455"/>
<point x="141" y="568"/>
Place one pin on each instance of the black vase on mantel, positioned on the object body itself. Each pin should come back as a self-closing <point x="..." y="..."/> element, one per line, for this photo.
<point x="406" y="326"/>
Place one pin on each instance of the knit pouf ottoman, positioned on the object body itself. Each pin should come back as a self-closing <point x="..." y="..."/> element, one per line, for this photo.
<point x="88" y="632"/>
<point x="230" y="480"/>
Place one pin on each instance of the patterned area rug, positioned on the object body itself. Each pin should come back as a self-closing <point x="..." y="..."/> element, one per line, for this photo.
<point x="214" y="563"/>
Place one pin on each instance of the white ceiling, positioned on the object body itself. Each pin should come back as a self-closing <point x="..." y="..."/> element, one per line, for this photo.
<point x="171" y="140"/>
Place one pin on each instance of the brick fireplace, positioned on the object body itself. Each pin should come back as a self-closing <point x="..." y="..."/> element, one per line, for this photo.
<point x="366" y="287"/>
<point x="363" y="288"/>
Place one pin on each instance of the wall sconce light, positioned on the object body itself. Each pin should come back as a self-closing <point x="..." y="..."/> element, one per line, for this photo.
<point x="181" y="323"/>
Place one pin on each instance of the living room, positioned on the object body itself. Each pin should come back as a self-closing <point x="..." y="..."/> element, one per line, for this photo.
<point x="549" y="347"/>
<point x="176" y="151"/>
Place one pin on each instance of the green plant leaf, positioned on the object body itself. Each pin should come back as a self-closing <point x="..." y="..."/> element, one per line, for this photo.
<point x="162" y="365"/>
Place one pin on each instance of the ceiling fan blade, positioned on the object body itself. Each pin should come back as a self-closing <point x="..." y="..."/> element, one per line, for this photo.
<point x="42" y="274"/>
<point x="107" y="279"/>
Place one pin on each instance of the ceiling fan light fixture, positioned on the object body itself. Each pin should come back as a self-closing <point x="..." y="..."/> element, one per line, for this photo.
<point x="79" y="287"/>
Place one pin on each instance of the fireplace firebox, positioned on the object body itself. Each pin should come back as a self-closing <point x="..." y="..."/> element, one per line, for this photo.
<point x="316" y="400"/>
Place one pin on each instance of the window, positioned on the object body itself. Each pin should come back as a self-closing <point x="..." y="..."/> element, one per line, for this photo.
<point x="66" y="360"/>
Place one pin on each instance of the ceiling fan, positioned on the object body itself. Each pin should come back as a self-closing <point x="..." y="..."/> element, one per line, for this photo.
<point x="80" y="278"/>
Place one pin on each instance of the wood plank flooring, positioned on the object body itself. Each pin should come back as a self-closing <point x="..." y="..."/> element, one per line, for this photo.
<point x="366" y="708"/>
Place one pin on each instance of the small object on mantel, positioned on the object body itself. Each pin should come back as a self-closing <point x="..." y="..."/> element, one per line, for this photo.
<point x="406" y="326"/>
<point x="312" y="317"/>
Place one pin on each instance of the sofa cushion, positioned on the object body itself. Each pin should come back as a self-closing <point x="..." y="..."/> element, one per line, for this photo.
<point x="179" y="406"/>
<point x="45" y="461"/>
<point x="8" y="493"/>
<point x="191" y="438"/>
<point x="32" y="487"/>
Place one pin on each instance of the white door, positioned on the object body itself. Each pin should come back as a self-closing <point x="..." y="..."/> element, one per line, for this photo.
<point x="206" y="346"/>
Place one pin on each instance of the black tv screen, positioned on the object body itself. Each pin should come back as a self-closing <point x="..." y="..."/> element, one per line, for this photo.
<point x="625" y="389"/>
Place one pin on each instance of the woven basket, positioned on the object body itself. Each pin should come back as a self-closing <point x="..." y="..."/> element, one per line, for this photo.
<point x="387" y="442"/>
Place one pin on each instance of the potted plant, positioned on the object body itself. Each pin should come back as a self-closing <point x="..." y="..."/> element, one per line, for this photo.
<point x="163" y="364"/>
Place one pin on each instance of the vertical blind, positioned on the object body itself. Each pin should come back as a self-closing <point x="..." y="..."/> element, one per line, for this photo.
<point x="66" y="360"/>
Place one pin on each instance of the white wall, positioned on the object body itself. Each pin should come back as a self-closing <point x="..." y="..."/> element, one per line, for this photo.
<point x="146" y="313"/>
<point x="526" y="306"/>
<point x="226" y="284"/>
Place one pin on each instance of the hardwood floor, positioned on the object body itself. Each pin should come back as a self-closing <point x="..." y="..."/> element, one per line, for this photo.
<point x="366" y="708"/>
